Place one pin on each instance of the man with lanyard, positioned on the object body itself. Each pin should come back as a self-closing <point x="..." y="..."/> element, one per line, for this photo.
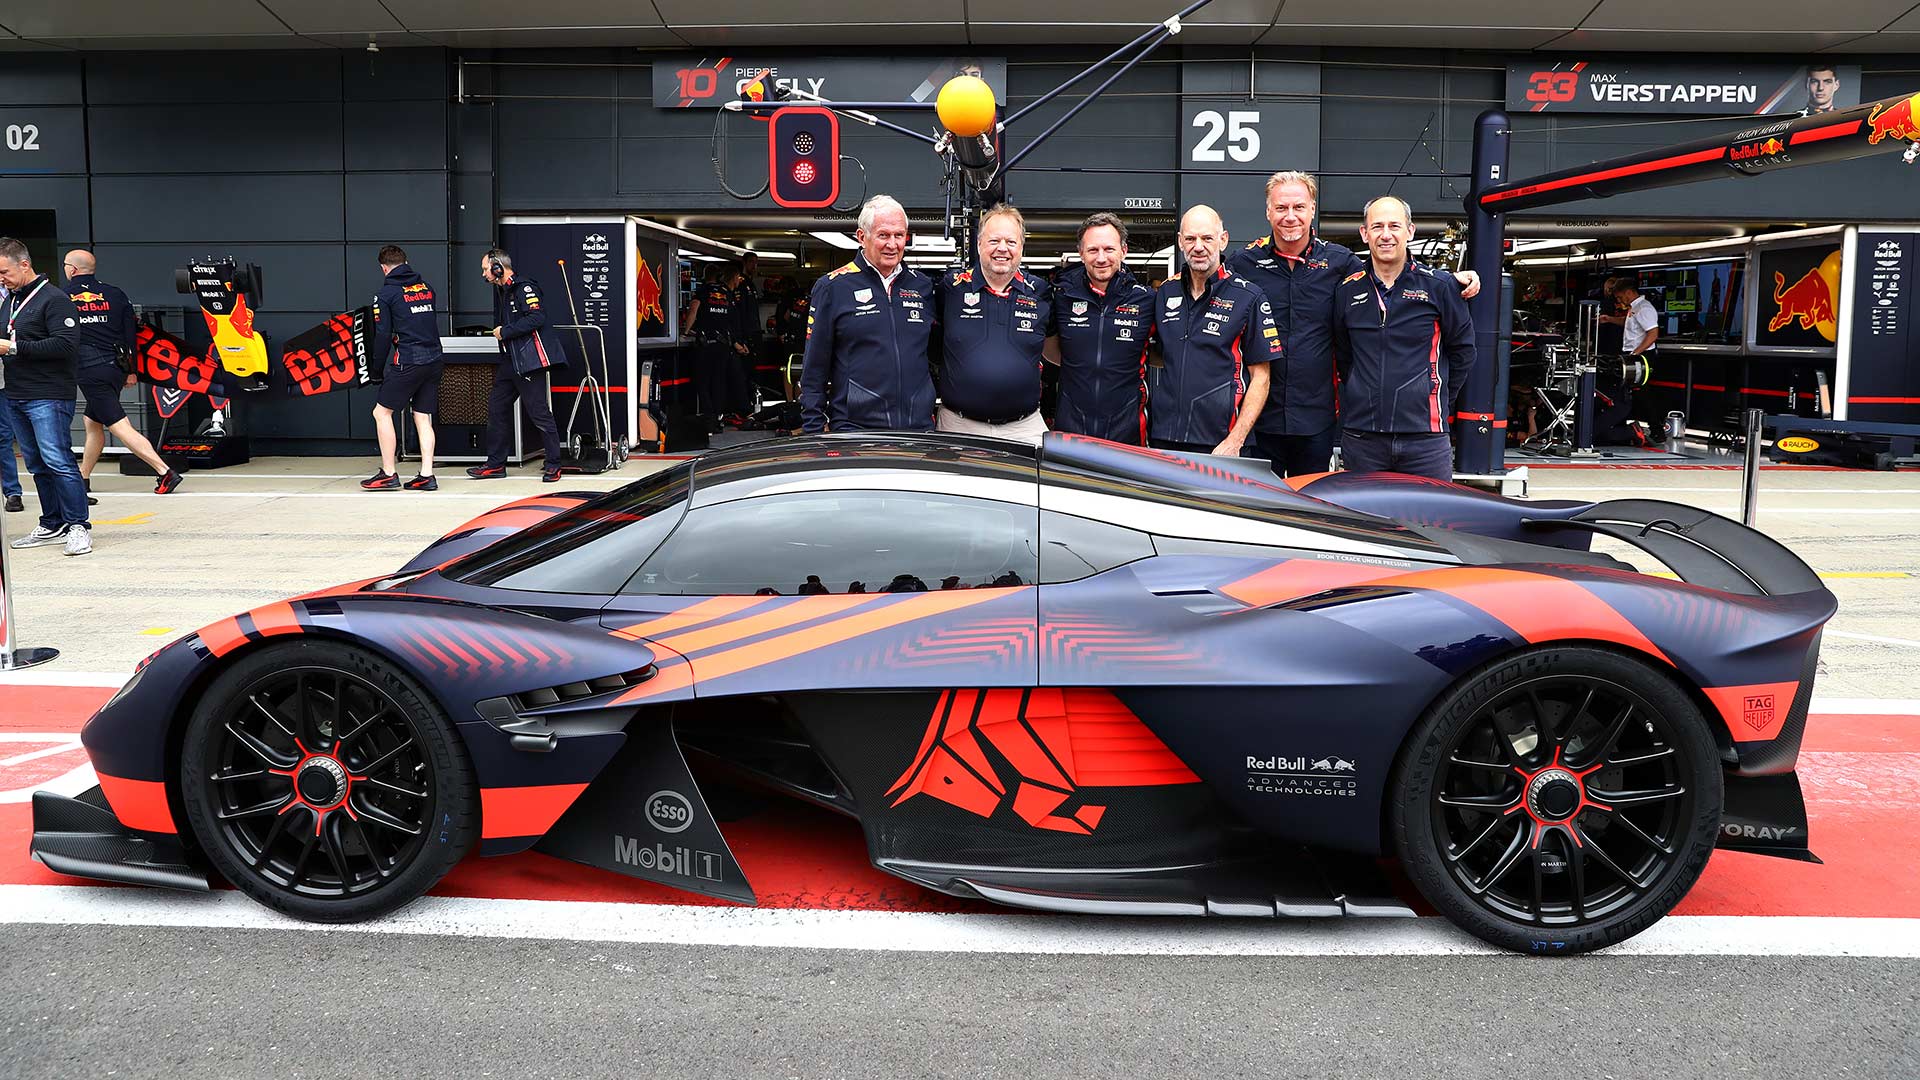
<point x="1103" y="325"/>
<point x="1216" y="339"/>
<point x="994" y="322"/>
<point x="1405" y="343"/>
<point x="518" y="304"/>
<point x="406" y="325"/>
<point x="1299" y="272"/>
<point x="869" y="325"/>
<point x="38" y="354"/>
<point x="107" y="332"/>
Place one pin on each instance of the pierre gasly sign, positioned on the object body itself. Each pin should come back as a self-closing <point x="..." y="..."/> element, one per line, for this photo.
<point x="708" y="82"/>
<point x="1600" y="86"/>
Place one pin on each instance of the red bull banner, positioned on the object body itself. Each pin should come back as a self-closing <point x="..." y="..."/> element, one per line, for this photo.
<point x="329" y="357"/>
<point x="1799" y="298"/>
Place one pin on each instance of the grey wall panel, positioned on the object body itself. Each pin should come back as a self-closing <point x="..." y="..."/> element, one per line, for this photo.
<point x="66" y="196"/>
<point x="384" y="207"/>
<point x="473" y="138"/>
<point x="307" y="279"/>
<point x="240" y="76"/>
<point x="42" y="140"/>
<point x="40" y="79"/>
<point x="473" y="214"/>
<point x="396" y="75"/>
<point x="472" y="294"/>
<point x="218" y="209"/>
<point x="248" y="137"/>
<point x="383" y="135"/>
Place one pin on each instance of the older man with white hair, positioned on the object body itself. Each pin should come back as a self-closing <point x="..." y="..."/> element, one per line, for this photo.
<point x="869" y="323"/>
<point x="1216" y="338"/>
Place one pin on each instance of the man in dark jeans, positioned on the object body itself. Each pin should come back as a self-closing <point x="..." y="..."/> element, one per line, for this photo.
<point x="521" y="309"/>
<point x="38" y="348"/>
<point x="10" y="489"/>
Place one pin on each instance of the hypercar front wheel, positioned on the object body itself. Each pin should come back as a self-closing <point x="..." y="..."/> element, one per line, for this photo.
<point x="1560" y="801"/>
<point x="325" y="783"/>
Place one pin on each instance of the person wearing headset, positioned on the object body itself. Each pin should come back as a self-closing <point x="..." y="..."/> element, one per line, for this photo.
<point x="519" y="310"/>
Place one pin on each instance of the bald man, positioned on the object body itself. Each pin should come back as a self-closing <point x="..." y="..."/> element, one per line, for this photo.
<point x="107" y="329"/>
<point x="1404" y="342"/>
<point x="1207" y="380"/>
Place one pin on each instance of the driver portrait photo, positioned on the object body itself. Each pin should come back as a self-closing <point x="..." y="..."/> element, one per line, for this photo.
<point x="1823" y="87"/>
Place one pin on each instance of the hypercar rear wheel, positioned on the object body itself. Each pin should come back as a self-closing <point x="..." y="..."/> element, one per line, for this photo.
<point x="1560" y="801"/>
<point x="325" y="783"/>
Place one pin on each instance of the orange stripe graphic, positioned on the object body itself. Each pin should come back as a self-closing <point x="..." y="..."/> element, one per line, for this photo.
<point x="139" y="804"/>
<point x="275" y="619"/>
<point x="1302" y="577"/>
<point x="916" y="606"/>
<point x="223" y="637"/>
<point x="801" y="610"/>
<point x="1538" y="607"/>
<point x="718" y="607"/>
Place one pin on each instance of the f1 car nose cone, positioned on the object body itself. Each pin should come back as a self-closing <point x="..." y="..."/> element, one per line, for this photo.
<point x="322" y="782"/>
<point x="1554" y="795"/>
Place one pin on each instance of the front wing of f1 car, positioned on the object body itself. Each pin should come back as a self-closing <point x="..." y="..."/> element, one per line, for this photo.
<point x="1212" y="729"/>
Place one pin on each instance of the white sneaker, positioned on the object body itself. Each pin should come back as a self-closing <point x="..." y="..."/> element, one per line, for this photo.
<point x="40" y="536"/>
<point x="79" y="540"/>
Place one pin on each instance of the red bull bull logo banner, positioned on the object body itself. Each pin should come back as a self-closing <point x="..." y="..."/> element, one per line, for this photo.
<point x="329" y="357"/>
<point x="1799" y="298"/>
<point x="1899" y="121"/>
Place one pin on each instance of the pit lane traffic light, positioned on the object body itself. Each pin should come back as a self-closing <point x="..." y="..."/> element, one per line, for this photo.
<point x="803" y="157"/>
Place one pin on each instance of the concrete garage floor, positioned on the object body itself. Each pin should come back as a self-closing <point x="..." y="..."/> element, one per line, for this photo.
<point x="231" y="539"/>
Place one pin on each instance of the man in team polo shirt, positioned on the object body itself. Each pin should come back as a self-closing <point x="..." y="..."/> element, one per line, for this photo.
<point x="994" y="322"/>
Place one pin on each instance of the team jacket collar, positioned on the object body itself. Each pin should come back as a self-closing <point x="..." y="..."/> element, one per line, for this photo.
<point x="82" y="281"/>
<point x="1076" y="283"/>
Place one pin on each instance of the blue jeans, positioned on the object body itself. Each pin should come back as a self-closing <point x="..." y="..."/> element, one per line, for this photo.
<point x="1416" y="454"/>
<point x="45" y="431"/>
<point x="9" y="468"/>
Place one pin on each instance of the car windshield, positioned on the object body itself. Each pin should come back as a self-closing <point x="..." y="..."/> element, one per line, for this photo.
<point x="591" y="548"/>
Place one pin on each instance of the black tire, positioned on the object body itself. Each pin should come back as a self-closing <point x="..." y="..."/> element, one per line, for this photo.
<point x="182" y="281"/>
<point x="1480" y="829"/>
<point x="378" y="775"/>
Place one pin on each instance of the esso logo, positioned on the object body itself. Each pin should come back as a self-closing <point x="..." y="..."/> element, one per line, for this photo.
<point x="669" y="811"/>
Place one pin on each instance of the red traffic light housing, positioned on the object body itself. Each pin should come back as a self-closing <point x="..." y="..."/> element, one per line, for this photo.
<point x="803" y="157"/>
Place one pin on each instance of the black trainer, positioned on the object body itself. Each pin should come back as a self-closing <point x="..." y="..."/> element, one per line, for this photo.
<point x="550" y="475"/>
<point x="487" y="472"/>
<point x="381" y="481"/>
<point x="15" y="504"/>
<point x="87" y="482"/>
<point x="423" y="483"/>
<point x="167" y="483"/>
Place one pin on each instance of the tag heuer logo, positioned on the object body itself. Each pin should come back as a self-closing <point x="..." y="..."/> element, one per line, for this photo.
<point x="1079" y="307"/>
<point x="1757" y="711"/>
<point x="971" y="299"/>
<point x="863" y="295"/>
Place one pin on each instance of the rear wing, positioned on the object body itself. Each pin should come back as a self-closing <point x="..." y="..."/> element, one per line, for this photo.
<point x="1702" y="547"/>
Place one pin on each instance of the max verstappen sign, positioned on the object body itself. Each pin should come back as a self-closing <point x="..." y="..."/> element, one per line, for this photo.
<point x="708" y="82"/>
<point x="1587" y="86"/>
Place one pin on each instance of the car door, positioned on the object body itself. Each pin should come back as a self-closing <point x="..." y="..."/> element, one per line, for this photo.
<point x="902" y="586"/>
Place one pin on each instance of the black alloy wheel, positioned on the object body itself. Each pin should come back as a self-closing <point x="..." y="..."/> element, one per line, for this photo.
<point x="1560" y="801"/>
<point x="323" y="782"/>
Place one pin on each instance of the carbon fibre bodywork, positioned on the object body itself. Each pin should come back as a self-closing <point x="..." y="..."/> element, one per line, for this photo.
<point x="1189" y="695"/>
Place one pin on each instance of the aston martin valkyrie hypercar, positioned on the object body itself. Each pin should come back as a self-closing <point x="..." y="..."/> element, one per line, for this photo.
<point x="1085" y="678"/>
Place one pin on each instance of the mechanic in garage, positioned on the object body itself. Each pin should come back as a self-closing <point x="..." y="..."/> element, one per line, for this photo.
<point x="1300" y="273"/>
<point x="869" y="325"/>
<point x="107" y="334"/>
<point x="1103" y="324"/>
<point x="520" y="309"/>
<point x="37" y="350"/>
<point x="994" y="322"/>
<point x="406" y="324"/>
<point x="716" y="324"/>
<point x="1405" y="344"/>
<point x="1216" y="338"/>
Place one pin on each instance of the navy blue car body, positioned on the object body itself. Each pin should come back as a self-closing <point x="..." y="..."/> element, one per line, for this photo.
<point x="1087" y="677"/>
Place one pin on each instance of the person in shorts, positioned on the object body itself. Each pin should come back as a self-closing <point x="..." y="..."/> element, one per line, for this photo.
<point x="406" y="340"/>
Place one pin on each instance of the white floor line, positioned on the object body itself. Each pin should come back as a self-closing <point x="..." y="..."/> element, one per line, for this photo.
<point x="922" y="932"/>
<point x="1908" y="642"/>
<point x="498" y="495"/>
